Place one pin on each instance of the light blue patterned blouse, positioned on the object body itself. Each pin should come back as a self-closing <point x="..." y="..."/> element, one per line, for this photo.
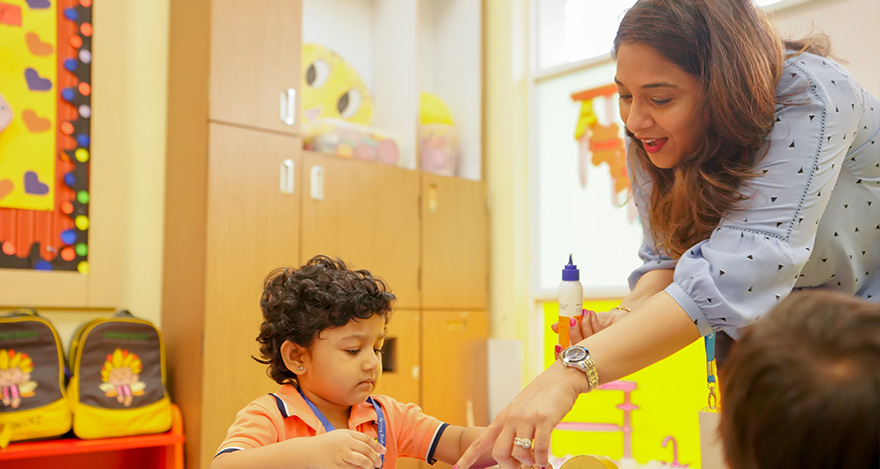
<point x="813" y="216"/>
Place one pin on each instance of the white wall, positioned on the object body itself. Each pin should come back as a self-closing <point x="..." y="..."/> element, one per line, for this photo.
<point x="853" y="27"/>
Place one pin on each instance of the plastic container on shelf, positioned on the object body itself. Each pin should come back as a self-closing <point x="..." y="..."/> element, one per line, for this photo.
<point x="350" y="140"/>
<point x="438" y="149"/>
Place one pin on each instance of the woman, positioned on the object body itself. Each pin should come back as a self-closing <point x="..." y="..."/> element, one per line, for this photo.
<point x="756" y="171"/>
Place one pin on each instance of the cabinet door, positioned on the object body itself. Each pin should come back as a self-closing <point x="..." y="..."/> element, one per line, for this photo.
<point x="255" y="63"/>
<point x="366" y="214"/>
<point x="401" y="357"/>
<point x="454" y="371"/>
<point x="455" y="243"/>
<point x="252" y="228"/>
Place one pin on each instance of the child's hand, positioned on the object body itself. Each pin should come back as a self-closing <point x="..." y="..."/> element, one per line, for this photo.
<point x="344" y="448"/>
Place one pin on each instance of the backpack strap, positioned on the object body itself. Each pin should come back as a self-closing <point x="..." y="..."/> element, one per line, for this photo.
<point x="22" y="312"/>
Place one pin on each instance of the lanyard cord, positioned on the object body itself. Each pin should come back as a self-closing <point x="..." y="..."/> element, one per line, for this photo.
<point x="711" y="382"/>
<point x="328" y="427"/>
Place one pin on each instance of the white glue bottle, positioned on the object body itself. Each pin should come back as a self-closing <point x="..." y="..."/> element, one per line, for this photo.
<point x="571" y="300"/>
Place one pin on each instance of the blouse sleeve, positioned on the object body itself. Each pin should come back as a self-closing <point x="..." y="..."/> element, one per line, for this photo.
<point x="755" y="255"/>
<point x="641" y="187"/>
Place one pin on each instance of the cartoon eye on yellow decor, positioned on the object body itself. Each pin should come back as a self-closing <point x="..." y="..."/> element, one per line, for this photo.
<point x="121" y="375"/>
<point x="331" y="88"/>
<point x="15" y="377"/>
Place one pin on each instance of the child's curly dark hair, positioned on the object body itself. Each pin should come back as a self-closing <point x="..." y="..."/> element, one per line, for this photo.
<point x="298" y="304"/>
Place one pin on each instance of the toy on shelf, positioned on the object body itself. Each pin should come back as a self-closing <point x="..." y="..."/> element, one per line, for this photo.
<point x="438" y="141"/>
<point x="337" y="110"/>
<point x="349" y="140"/>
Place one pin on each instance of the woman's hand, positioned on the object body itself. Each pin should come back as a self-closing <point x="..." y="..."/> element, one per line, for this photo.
<point x="590" y="323"/>
<point x="531" y="416"/>
<point x="344" y="448"/>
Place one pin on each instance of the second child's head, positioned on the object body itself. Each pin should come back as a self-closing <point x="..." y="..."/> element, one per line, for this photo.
<point x="801" y="388"/>
<point x="323" y="329"/>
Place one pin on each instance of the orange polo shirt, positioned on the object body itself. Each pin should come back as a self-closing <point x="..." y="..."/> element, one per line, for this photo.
<point x="284" y="415"/>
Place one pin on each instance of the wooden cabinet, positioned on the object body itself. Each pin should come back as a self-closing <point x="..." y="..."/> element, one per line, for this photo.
<point x="253" y="227"/>
<point x="232" y="203"/>
<point x="367" y="214"/>
<point x="438" y="359"/>
<point x="210" y="313"/>
<point x="401" y="358"/>
<point x="455" y="244"/>
<point x="255" y="63"/>
<point x="454" y="366"/>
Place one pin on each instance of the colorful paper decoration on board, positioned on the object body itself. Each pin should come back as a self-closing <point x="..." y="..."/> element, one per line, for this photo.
<point x="45" y="86"/>
<point x="601" y="142"/>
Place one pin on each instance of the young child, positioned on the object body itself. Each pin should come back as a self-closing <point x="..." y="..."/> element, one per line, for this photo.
<point x="802" y="386"/>
<point x="322" y="334"/>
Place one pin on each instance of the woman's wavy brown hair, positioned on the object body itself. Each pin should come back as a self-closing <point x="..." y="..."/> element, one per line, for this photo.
<point x="298" y="304"/>
<point x="734" y="51"/>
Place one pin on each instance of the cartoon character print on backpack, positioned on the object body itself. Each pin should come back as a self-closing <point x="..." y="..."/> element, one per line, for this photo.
<point x="121" y="375"/>
<point x="15" y="377"/>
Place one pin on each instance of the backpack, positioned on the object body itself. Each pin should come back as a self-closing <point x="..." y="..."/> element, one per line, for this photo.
<point x="117" y="387"/>
<point x="32" y="401"/>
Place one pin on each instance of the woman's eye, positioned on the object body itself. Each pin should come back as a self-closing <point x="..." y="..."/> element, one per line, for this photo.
<point x="661" y="102"/>
<point x="353" y="351"/>
<point x="625" y="97"/>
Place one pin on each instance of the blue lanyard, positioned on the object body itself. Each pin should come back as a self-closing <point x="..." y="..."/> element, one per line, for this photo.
<point x="328" y="427"/>
<point x="710" y="370"/>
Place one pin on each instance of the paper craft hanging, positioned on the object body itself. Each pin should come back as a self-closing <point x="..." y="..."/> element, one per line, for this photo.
<point x="601" y="143"/>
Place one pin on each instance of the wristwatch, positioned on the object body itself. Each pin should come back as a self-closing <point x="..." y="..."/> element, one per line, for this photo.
<point x="578" y="357"/>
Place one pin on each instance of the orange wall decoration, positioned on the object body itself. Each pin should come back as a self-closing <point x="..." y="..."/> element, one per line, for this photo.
<point x="601" y="142"/>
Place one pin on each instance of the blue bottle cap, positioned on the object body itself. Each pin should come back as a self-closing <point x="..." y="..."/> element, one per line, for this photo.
<point x="571" y="272"/>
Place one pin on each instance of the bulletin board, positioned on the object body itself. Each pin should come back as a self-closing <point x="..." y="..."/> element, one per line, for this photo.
<point x="45" y="114"/>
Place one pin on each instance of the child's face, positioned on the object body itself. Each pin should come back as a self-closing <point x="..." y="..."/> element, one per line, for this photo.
<point x="344" y="364"/>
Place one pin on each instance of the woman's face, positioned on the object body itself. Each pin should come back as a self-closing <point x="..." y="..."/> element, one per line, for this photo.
<point x="659" y="103"/>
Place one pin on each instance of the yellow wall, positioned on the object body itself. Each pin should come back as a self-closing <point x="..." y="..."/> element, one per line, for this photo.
<point x="129" y="73"/>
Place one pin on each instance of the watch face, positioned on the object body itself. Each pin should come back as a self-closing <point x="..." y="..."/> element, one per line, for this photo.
<point x="574" y="354"/>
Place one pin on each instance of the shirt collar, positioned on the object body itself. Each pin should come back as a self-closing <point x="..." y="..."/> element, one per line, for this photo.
<point x="295" y="405"/>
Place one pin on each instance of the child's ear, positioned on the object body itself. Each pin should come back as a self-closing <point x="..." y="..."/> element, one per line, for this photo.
<point x="295" y="357"/>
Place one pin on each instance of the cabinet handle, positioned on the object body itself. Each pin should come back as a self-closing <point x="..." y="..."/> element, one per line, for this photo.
<point x="287" y="177"/>
<point x="316" y="189"/>
<point x="288" y="106"/>
<point x="291" y="106"/>
<point x="433" y="199"/>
